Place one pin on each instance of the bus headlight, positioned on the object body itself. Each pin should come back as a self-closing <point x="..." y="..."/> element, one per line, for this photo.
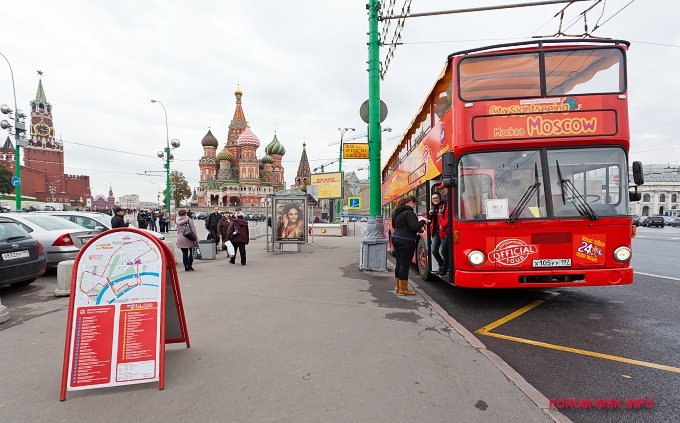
<point x="476" y="258"/>
<point x="622" y="254"/>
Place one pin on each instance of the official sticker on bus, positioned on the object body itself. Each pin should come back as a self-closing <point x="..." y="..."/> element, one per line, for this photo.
<point x="512" y="252"/>
<point x="497" y="208"/>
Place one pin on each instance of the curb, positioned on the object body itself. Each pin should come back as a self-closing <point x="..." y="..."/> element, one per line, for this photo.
<point x="528" y="389"/>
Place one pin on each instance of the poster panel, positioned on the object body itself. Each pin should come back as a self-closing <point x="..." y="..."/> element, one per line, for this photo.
<point x="290" y="220"/>
<point x="329" y="184"/>
<point x="115" y="334"/>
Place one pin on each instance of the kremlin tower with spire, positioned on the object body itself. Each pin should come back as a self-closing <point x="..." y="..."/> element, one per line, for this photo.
<point x="42" y="175"/>
<point x="234" y="176"/>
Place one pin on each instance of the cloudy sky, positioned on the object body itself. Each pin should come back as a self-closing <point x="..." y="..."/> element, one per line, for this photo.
<point x="300" y="63"/>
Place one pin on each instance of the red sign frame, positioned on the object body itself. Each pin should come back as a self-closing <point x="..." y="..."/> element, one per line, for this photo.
<point x="95" y="331"/>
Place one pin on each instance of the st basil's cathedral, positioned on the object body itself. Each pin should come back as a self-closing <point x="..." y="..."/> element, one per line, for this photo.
<point x="234" y="176"/>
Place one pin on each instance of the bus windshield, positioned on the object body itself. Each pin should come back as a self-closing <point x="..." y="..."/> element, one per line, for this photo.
<point x="511" y="185"/>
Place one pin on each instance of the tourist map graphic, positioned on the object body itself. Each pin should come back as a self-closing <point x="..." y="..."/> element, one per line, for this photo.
<point x="120" y="267"/>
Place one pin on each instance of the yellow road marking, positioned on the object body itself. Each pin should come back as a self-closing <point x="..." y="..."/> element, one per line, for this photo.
<point x="486" y="330"/>
<point x="515" y="314"/>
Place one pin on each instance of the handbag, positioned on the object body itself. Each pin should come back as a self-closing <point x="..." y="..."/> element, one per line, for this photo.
<point x="188" y="233"/>
<point x="234" y="234"/>
<point x="230" y="248"/>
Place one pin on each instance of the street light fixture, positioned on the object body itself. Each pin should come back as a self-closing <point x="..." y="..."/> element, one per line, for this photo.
<point x="19" y="131"/>
<point x="167" y="156"/>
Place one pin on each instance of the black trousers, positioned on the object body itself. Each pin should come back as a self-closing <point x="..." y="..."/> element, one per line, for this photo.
<point x="215" y="235"/>
<point x="239" y="247"/>
<point x="404" y="249"/>
<point x="187" y="257"/>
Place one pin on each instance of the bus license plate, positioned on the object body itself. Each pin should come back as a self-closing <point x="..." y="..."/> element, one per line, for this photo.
<point x="15" y="255"/>
<point x="562" y="262"/>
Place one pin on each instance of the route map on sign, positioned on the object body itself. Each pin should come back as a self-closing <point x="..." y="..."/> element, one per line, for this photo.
<point x="119" y="269"/>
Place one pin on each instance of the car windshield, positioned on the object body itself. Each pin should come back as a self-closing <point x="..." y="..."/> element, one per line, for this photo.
<point x="511" y="185"/>
<point x="11" y="231"/>
<point x="51" y="223"/>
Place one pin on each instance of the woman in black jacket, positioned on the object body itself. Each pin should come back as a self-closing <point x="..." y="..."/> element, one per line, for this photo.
<point x="404" y="238"/>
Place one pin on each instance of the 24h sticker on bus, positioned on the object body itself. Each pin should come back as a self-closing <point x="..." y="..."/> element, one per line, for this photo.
<point x="590" y="249"/>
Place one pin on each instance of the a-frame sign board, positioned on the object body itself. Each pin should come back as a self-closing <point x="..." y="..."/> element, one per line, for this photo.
<point x="124" y="306"/>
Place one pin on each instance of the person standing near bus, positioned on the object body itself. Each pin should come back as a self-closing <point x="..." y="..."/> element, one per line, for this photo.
<point x="405" y="236"/>
<point x="440" y="222"/>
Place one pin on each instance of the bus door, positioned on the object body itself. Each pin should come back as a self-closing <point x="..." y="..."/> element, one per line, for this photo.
<point x="424" y="258"/>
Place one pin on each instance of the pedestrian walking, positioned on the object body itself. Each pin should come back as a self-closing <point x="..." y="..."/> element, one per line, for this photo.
<point x="211" y="223"/>
<point x="141" y="219"/>
<point x="440" y="222"/>
<point x="117" y="220"/>
<point x="222" y="228"/>
<point x="166" y="220"/>
<point x="154" y="218"/>
<point x="184" y="243"/>
<point x="238" y="234"/>
<point x="406" y="228"/>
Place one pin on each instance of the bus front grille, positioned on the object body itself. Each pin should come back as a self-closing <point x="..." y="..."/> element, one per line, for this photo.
<point x="552" y="278"/>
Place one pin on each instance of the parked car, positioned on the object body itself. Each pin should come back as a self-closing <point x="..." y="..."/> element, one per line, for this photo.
<point x="675" y="221"/>
<point x="636" y="220"/>
<point x="93" y="221"/>
<point x="657" y="221"/>
<point x="201" y="216"/>
<point x="60" y="238"/>
<point x="667" y="220"/>
<point x="22" y="258"/>
<point x="364" y="219"/>
<point x="639" y="221"/>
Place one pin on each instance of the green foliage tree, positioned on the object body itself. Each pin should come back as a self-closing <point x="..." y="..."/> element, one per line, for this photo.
<point x="182" y="190"/>
<point x="5" y="180"/>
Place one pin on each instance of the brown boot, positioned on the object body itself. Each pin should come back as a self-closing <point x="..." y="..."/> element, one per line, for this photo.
<point x="396" y="286"/>
<point x="404" y="289"/>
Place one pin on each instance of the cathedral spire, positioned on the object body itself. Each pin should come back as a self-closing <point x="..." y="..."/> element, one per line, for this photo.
<point x="238" y="122"/>
<point x="303" y="174"/>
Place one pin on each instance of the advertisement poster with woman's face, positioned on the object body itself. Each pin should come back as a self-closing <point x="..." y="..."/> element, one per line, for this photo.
<point x="291" y="225"/>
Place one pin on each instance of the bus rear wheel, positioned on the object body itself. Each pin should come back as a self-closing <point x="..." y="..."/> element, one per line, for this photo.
<point x="422" y="258"/>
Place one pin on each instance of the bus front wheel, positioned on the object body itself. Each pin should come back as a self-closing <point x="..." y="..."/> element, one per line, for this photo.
<point x="422" y="258"/>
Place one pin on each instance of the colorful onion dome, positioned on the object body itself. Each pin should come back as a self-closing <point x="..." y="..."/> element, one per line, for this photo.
<point x="209" y="140"/>
<point x="275" y="147"/>
<point x="225" y="155"/>
<point x="267" y="159"/>
<point x="247" y="138"/>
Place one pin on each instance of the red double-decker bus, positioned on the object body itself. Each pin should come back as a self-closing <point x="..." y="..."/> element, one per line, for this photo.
<point x="528" y="144"/>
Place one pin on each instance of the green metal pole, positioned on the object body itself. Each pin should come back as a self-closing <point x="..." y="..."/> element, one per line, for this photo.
<point x="17" y="170"/>
<point x="339" y="201"/>
<point x="374" y="133"/>
<point x="167" y="179"/>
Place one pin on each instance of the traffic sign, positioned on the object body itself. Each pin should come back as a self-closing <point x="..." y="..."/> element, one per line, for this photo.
<point x="354" y="202"/>
<point x="16" y="181"/>
<point x="355" y="150"/>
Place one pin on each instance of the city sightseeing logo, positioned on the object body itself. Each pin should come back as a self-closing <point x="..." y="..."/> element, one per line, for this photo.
<point x="541" y="105"/>
<point x="512" y="252"/>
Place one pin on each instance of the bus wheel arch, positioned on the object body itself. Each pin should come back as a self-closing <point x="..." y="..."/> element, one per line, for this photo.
<point x="422" y="260"/>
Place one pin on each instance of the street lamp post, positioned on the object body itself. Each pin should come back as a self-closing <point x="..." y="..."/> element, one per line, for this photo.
<point x="19" y="128"/>
<point x="167" y="156"/>
<point x="342" y="135"/>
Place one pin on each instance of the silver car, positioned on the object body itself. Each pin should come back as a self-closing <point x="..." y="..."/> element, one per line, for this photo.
<point x="61" y="239"/>
<point x="94" y="221"/>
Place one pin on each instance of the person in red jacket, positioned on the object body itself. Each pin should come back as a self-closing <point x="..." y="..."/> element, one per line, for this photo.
<point x="239" y="236"/>
<point x="438" y="227"/>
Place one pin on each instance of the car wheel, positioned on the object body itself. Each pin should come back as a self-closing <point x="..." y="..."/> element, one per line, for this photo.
<point x="23" y="283"/>
<point x="422" y="261"/>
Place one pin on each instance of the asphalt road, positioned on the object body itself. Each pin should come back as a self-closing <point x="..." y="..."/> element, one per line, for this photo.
<point x="639" y="322"/>
<point x="635" y="322"/>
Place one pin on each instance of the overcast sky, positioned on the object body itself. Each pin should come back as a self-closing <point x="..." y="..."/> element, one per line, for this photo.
<point x="300" y="63"/>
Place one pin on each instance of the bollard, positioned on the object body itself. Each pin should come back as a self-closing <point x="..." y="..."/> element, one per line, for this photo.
<point x="64" y="269"/>
<point x="4" y="313"/>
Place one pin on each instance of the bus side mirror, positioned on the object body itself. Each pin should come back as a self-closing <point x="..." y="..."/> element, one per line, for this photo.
<point x="448" y="170"/>
<point x="638" y="176"/>
<point x="635" y="196"/>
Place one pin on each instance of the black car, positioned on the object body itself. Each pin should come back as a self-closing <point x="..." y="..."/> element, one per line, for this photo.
<point x="22" y="258"/>
<point x="201" y="216"/>
<point x="657" y="221"/>
<point x="636" y="220"/>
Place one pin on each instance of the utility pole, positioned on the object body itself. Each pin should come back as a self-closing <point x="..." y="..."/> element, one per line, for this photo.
<point x="374" y="244"/>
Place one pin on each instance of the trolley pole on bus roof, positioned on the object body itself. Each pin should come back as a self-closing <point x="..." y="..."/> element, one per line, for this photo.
<point x="374" y="244"/>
